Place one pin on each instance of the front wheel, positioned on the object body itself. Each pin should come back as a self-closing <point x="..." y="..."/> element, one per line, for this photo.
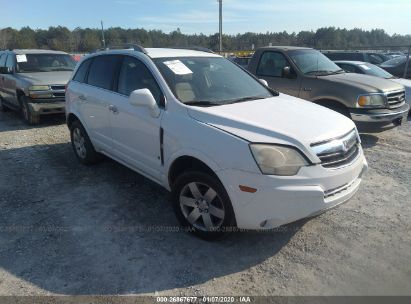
<point x="202" y="204"/>
<point x="29" y="116"/>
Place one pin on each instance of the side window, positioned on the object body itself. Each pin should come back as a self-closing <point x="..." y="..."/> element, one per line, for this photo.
<point x="375" y="59"/>
<point x="272" y="64"/>
<point x="348" y="68"/>
<point x="103" y="71"/>
<point x="82" y="71"/>
<point x="10" y="61"/>
<point x="134" y="75"/>
<point x="3" y="60"/>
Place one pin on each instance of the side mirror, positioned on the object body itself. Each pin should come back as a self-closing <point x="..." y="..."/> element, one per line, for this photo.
<point x="6" y="70"/>
<point x="264" y="82"/>
<point x="288" y="73"/>
<point x="144" y="98"/>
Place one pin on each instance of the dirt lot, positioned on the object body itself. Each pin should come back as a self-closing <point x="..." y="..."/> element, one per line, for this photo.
<point x="69" y="229"/>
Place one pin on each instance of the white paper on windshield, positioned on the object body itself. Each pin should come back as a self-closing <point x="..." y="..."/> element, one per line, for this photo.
<point x="21" y="58"/>
<point x="178" y="67"/>
<point x="365" y="67"/>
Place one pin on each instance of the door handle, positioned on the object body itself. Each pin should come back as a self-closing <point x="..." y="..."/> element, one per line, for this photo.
<point x="307" y="89"/>
<point x="82" y="98"/>
<point x="113" y="109"/>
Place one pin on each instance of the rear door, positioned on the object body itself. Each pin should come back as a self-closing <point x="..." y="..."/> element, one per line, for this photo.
<point x="135" y="132"/>
<point x="270" y="68"/>
<point x="93" y="95"/>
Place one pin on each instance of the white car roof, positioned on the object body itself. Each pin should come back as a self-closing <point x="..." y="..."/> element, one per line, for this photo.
<point x="165" y="52"/>
<point x="351" y="62"/>
<point x="34" y="51"/>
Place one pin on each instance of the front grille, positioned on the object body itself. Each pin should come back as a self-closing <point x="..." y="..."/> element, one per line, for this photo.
<point x="59" y="91"/>
<point x="396" y="99"/>
<point x="58" y="87"/>
<point x="338" y="152"/>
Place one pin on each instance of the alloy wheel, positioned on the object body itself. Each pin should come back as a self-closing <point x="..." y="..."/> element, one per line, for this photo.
<point x="202" y="206"/>
<point x="79" y="143"/>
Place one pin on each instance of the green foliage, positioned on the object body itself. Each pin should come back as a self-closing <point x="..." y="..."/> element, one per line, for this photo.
<point x="86" y="40"/>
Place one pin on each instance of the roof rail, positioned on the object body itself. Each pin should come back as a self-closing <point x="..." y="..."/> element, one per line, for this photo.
<point x="194" y="48"/>
<point x="127" y="46"/>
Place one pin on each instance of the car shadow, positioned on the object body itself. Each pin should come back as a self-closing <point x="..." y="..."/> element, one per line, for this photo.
<point x="12" y="121"/>
<point x="368" y="140"/>
<point x="71" y="229"/>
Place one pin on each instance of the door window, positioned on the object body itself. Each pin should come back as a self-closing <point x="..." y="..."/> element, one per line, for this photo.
<point x="272" y="64"/>
<point x="103" y="71"/>
<point x="10" y="61"/>
<point x="3" y="60"/>
<point x="134" y="75"/>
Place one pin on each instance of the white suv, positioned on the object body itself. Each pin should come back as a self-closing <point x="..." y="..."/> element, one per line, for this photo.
<point x="232" y="152"/>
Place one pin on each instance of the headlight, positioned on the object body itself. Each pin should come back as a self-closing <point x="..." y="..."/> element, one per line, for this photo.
<point x="371" y="101"/>
<point x="277" y="160"/>
<point x="39" y="88"/>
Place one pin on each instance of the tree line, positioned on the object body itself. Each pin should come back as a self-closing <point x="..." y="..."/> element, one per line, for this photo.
<point x="87" y="39"/>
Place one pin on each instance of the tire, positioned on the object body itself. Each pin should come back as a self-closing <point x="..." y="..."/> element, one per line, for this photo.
<point x="3" y="108"/>
<point x="81" y="144"/>
<point x="29" y="117"/>
<point x="202" y="205"/>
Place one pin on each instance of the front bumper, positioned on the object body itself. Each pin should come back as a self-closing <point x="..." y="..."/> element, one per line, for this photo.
<point x="281" y="200"/>
<point x="380" y="116"/>
<point x="42" y="107"/>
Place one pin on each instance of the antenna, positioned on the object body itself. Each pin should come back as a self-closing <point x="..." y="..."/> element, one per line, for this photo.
<point x="220" y="2"/>
<point x="102" y="34"/>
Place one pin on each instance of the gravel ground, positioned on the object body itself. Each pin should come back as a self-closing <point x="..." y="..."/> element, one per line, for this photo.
<point x="69" y="229"/>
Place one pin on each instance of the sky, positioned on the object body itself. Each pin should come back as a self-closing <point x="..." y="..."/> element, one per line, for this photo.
<point x="201" y="16"/>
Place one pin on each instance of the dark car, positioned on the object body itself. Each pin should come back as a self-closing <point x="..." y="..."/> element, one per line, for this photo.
<point x="241" y="61"/>
<point x="374" y="58"/>
<point x="396" y="67"/>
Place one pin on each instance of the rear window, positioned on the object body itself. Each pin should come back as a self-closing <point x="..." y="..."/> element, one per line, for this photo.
<point x="103" y="70"/>
<point x="3" y="60"/>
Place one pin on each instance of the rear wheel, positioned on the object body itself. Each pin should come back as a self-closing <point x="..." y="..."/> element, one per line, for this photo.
<point x="202" y="204"/>
<point x="3" y="108"/>
<point x="29" y="116"/>
<point x="82" y="146"/>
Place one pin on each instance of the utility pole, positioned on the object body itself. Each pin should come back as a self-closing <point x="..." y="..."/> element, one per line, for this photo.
<point x="102" y="35"/>
<point x="220" y="2"/>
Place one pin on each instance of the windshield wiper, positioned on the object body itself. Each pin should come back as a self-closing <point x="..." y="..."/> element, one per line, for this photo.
<point x="243" y="99"/>
<point x="202" y="103"/>
<point x="337" y="72"/>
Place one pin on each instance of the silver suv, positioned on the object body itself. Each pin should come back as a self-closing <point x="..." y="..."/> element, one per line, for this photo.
<point x="34" y="81"/>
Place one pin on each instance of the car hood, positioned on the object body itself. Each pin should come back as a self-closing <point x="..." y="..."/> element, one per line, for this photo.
<point x="283" y="120"/>
<point x="44" y="78"/>
<point x="365" y="82"/>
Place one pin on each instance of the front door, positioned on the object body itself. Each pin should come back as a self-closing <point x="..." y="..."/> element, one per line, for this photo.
<point x="135" y="132"/>
<point x="271" y="68"/>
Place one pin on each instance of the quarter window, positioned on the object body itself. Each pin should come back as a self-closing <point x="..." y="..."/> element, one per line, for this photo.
<point x="103" y="71"/>
<point x="82" y="71"/>
<point x="272" y="64"/>
<point x="134" y="75"/>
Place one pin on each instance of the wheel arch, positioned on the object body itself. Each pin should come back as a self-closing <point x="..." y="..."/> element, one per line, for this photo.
<point x="333" y="104"/>
<point x="183" y="163"/>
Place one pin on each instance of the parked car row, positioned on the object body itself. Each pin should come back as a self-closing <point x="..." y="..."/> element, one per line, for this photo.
<point x="232" y="149"/>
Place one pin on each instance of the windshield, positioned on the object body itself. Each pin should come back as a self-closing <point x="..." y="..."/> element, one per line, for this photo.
<point x="395" y="61"/>
<point x="44" y="63"/>
<point x="312" y="62"/>
<point x="209" y="81"/>
<point x="374" y="70"/>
